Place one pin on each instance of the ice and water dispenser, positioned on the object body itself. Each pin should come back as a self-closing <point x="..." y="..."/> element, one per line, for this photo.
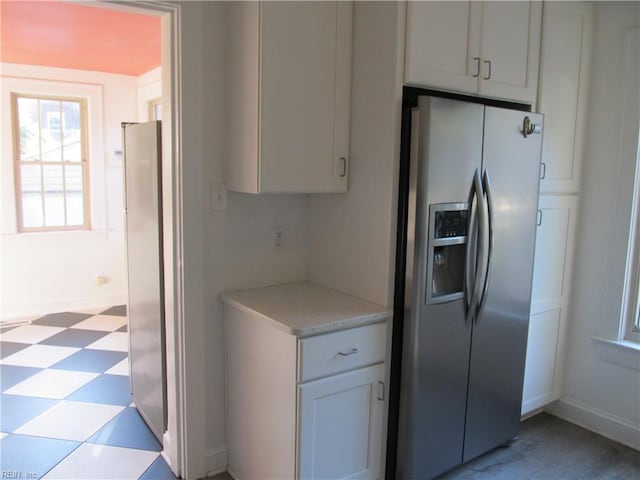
<point x="446" y="251"/>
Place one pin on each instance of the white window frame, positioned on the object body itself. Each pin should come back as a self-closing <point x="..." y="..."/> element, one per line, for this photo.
<point x="20" y="81"/>
<point x="631" y="309"/>
<point x="84" y="163"/>
<point x="155" y="109"/>
<point x="630" y="148"/>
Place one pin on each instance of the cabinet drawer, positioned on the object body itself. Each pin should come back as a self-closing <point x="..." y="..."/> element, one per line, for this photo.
<point x="341" y="351"/>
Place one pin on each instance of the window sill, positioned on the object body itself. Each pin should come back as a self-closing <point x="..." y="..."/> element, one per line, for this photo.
<point x="80" y="231"/>
<point x="619" y="352"/>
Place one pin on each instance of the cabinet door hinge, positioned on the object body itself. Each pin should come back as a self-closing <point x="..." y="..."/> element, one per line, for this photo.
<point x="380" y="390"/>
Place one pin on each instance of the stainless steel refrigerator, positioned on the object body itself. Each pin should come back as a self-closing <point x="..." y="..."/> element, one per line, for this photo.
<point x="145" y="308"/>
<point x="470" y="233"/>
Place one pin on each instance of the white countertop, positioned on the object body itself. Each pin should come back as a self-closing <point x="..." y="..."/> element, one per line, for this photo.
<point x="304" y="309"/>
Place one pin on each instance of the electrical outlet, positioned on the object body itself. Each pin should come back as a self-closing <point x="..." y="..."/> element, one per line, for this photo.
<point x="218" y="196"/>
<point x="278" y="237"/>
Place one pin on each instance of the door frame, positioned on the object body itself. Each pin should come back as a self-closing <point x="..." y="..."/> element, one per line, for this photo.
<point x="183" y="451"/>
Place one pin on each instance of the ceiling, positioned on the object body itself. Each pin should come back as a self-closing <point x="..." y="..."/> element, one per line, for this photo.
<point x="68" y="35"/>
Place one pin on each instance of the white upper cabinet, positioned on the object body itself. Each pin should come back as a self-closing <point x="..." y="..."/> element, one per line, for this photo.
<point x="564" y="71"/>
<point x="438" y="51"/>
<point x="510" y="50"/>
<point x="486" y="48"/>
<point x="290" y="83"/>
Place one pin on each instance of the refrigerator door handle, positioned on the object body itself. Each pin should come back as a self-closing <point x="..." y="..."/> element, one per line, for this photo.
<point x="486" y="185"/>
<point x="480" y="214"/>
<point x="469" y="250"/>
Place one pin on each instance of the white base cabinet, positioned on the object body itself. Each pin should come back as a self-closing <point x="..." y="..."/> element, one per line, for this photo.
<point x="340" y="422"/>
<point x="543" y="367"/>
<point x="303" y="408"/>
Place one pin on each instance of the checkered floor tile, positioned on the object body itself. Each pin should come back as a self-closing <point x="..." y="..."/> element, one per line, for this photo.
<point x="65" y="403"/>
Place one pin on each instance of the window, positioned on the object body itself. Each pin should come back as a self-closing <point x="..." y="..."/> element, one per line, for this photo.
<point x="632" y="328"/>
<point x="51" y="164"/>
<point x="155" y="109"/>
<point x="630" y="148"/>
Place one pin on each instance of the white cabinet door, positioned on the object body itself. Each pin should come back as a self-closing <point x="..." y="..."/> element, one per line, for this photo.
<point x="438" y="50"/>
<point x="543" y="364"/>
<point x="510" y="50"/>
<point x="290" y="85"/>
<point x="564" y="71"/>
<point x="340" y="426"/>
<point x="555" y="238"/>
<point x="486" y="48"/>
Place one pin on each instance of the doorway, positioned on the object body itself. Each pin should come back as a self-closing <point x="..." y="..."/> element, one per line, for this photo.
<point x="170" y="449"/>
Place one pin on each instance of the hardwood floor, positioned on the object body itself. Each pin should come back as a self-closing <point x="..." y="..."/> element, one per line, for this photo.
<point x="552" y="449"/>
<point x="549" y="448"/>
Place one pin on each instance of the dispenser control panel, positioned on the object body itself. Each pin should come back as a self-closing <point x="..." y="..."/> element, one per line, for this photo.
<point x="446" y="251"/>
<point x="450" y="223"/>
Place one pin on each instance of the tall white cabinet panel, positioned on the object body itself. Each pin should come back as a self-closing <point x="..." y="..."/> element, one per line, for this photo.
<point x="486" y="48"/>
<point x="290" y="81"/>
<point x="340" y="425"/>
<point x="563" y="89"/>
<point x="564" y="71"/>
<point x="553" y="263"/>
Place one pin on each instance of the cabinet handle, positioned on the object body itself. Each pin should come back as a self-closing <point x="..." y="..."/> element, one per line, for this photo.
<point x="353" y="351"/>
<point x="543" y="170"/>
<point x="380" y="390"/>
<point x="344" y="167"/>
<point x="477" y="60"/>
<point x="488" y="62"/>
<point x="539" y="221"/>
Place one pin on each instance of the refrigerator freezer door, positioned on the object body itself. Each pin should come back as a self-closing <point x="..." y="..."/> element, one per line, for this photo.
<point x="436" y="339"/>
<point x="500" y="332"/>
<point x="144" y="260"/>
<point x="450" y="148"/>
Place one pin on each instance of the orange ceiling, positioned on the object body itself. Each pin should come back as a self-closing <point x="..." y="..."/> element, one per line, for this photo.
<point x="68" y="35"/>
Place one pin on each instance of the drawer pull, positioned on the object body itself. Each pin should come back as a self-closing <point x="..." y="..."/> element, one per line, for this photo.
<point x="353" y="351"/>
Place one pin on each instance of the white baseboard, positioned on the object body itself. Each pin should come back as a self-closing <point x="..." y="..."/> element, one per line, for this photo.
<point x="597" y="421"/>
<point x="167" y="451"/>
<point x="64" y="306"/>
<point x="532" y="406"/>
<point x="216" y="461"/>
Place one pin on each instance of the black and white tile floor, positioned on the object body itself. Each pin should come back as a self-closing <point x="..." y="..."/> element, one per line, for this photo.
<point x="66" y="411"/>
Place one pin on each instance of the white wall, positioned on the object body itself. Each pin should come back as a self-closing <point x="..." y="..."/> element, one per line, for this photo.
<point x="238" y="241"/>
<point x="149" y="88"/>
<point x="352" y="235"/>
<point x="603" y="395"/>
<point x="46" y="272"/>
